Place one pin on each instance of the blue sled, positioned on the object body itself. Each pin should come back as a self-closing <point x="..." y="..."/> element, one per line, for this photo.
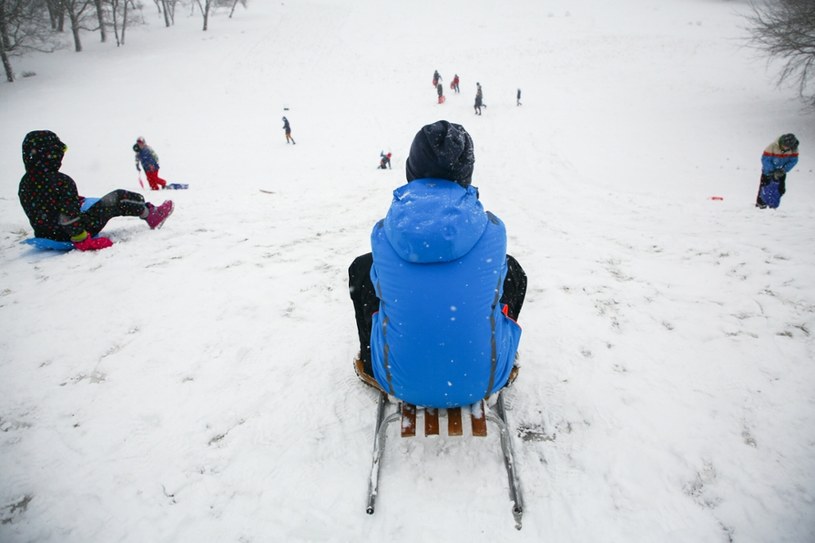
<point x="45" y="244"/>
<point x="770" y="194"/>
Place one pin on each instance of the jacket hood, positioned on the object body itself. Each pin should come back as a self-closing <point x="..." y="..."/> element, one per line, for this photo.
<point x="434" y="220"/>
<point x="42" y="151"/>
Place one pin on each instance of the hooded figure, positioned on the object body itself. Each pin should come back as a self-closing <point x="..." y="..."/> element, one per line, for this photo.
<point x="441" y="336"/>
<point x="49" y="198"/>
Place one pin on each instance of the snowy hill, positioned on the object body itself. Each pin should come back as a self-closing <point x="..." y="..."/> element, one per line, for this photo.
<point x="195" y="383"/>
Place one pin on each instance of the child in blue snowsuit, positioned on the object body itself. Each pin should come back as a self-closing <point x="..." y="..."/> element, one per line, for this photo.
<point x="778" y="158"/>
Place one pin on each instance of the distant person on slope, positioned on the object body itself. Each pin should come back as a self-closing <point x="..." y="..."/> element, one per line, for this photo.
<point x="287" y="130"/>
<point x="454" y="84"/>
<point x="778" y="158"/>
<point x="436" y="77"/>
<point x="149" y="161"/>
<point x="53" y="205"/>
<point x="384" y="161"/>
<point x="518" y="98"/>
<point x="479" y="97"/>
<point x="437" y="298"/>
<point x="440" y="92"/>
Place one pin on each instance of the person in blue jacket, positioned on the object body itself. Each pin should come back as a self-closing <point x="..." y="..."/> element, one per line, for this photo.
<point x="778" y="158"/>
<point x="437" y="299"/>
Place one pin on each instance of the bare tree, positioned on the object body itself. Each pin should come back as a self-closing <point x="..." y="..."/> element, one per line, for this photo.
<point x="205" y="8"/>
<point x="235" y="3"/>
<point x="785" y="29"/>
<point x="23" y="26"/>
<point x="169" y="11"/>
<point x="56" y="12"/>
<point x="100" y="16"/>
<point x="76" y="14"/>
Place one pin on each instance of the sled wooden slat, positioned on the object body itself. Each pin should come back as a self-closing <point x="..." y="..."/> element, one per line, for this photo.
<point x="431" y="422"/>
<point x="478" y="416"/>
<point x="454" y="426"/>
<point x="408" y="420"/>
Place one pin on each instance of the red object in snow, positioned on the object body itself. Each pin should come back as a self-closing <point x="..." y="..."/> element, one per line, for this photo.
<point x="716" y="198"/>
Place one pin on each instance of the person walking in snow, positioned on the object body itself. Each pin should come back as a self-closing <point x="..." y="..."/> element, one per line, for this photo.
<point x="436" y="314"/>
<point x="149" y="161"/>
<point x="518" y="98"/>
<point x="436" y="78"/>
<point x="384" y="161"/>
<point x="778" y="159"/>
<point x="287" y="130"/>
<point x="454" y="84"/>
<point x="440" y="92"/>
<point x="478" y="99"/>
<point x="53" y="206"/>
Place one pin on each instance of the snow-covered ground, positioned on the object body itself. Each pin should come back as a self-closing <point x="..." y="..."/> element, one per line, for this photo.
<point x="195" y="383"/>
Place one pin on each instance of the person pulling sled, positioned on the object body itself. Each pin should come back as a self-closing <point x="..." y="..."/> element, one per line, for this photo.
<point x="147" y="157"/>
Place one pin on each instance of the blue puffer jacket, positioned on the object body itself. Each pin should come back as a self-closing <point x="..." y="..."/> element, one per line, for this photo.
<point x="774" y="158"/>
<point x="440" y="338"/>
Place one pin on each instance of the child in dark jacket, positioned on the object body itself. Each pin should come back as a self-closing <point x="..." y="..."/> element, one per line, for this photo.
<point x="53" y="205"/>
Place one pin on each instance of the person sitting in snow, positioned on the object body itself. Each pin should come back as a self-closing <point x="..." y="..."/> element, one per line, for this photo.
<point x="149" y="161"/>
<point x="437" y="299"/>
<point x="52" y="204"/>
<point x="778" y="158"/>
<point x="384" y="161"/>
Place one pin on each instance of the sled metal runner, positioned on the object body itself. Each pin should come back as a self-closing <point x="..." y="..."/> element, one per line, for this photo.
<point x="479" y="415"/>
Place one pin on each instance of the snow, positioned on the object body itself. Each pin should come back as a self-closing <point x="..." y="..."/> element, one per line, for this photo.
<point x="195" y="383"/>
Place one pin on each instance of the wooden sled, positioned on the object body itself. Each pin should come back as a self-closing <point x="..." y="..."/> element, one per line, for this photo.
<point x="478" y="415"/>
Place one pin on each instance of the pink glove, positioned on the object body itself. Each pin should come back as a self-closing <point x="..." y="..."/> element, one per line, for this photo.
<point x="92" y="244"/>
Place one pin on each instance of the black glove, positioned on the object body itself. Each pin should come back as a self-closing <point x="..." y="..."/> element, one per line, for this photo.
<point x="779" y="174"/>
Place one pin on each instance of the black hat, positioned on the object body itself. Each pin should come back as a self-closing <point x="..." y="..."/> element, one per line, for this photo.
<point x="788" y="141"/>
<point x="442" y="150"/>
<point x="43" y="150"/>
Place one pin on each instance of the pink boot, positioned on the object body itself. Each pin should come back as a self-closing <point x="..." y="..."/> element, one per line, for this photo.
<point x="157" y="215"/>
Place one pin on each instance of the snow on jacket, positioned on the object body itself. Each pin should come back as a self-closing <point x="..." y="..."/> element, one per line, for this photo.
<point x="774" y="158"/>
<point x="440" y="338"/>
<point x="148" y="159"/>
<point x="49" y="198"/>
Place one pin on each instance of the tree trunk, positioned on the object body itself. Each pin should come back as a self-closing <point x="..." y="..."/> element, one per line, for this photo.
<point x="6" y="65"/>
<point x="100" y="16"/>
<point x="114" y="4"/>
<point x="77" y="40"/>
<point x="166" y="13"/>
<point x="205" y="11"/>
<point x="124" y="23"/>
<point x="3" y="42"/>
<point x="75" y="17"/>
